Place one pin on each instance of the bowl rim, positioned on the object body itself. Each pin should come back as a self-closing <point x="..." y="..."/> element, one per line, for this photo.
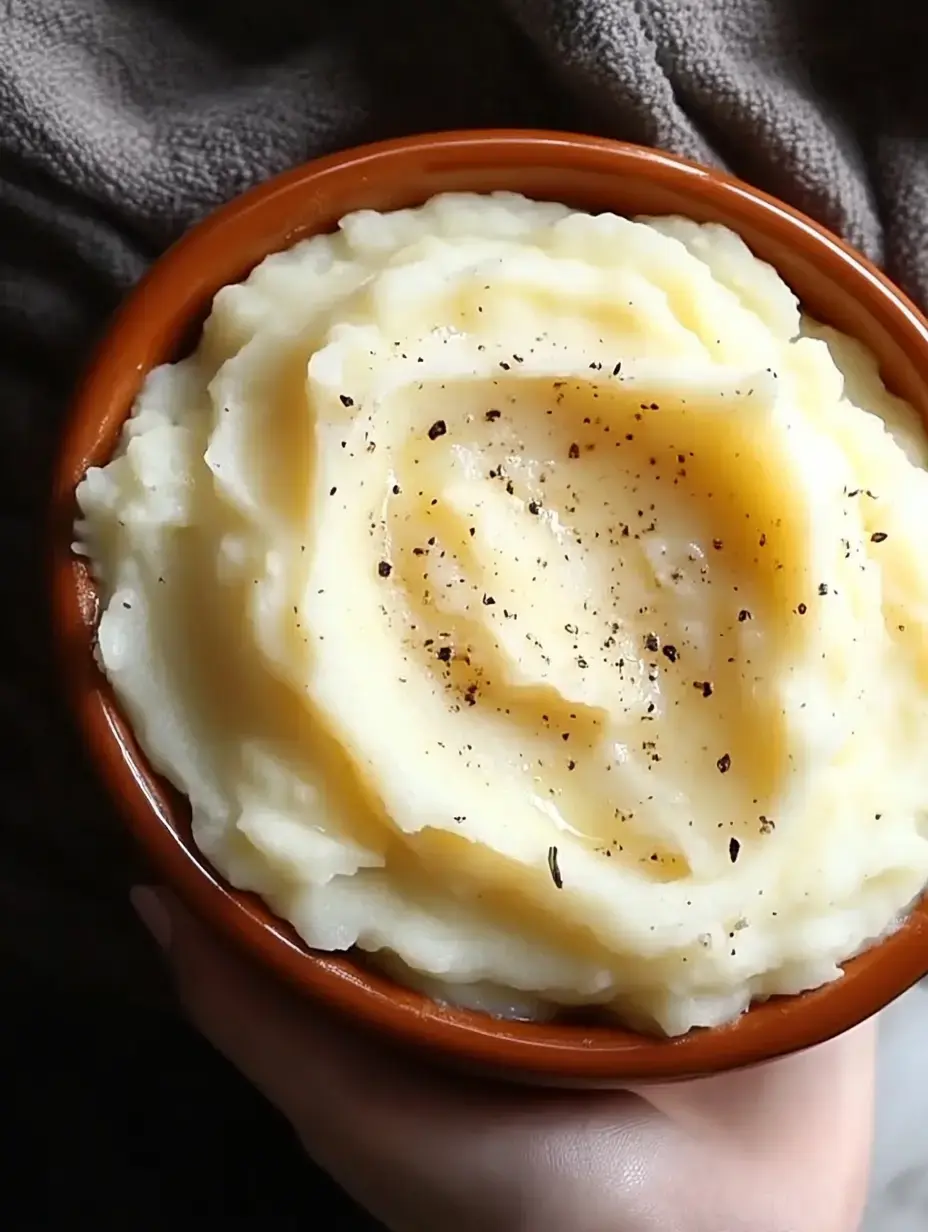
<point x="562" y="1053"/>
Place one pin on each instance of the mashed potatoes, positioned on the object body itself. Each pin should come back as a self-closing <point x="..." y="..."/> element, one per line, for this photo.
<point x="537" y="601"/>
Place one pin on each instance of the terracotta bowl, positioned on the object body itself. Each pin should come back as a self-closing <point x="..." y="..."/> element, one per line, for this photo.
<point x="159" y="322"/>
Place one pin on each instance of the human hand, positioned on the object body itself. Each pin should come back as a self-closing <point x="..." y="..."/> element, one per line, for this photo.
<point x="780" y="1148"/>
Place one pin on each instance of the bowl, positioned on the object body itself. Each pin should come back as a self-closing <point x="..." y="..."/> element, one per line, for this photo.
<point x="159" y="322"/>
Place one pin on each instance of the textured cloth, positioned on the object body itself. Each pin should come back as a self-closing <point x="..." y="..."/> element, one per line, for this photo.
<point x="123" y="121"/>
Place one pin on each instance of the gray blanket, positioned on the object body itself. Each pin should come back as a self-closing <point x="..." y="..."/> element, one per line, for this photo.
<point x="123" y="121"/>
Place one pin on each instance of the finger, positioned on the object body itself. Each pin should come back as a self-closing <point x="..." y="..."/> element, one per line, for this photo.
<point x="809" y="1116"/>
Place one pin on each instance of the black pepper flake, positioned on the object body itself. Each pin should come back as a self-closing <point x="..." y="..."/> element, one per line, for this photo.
<point x="670" y="652"/>
<point x="766" y="825"/>
<point x="332" y="491"/>
<point x="744" y="615"/>
<point x="396" y="489"/>
<point x="533" y="507"/>
<point x="571" y="765"/>
<point x="734" y="848"/>
<point x="704" y="686"/>
<point x="823" y="588"/>
<point x="492" y="416"/>
<point x="345" y="400"/>
<point x="617" y="369"/>
<point x="438" y="428"/>
<point x="651" y="642"/>
<point x="802" y="609"/>
<point x="444" y="653"/>
<point x="717" y="544"/>
<point x="724" y="763"/>
<point x="488" y="600"/>
<point x="879" y="536"/>
<point x="384" y="568"/>
<point x="574" y="451"/>
<point x="553" y="868"/>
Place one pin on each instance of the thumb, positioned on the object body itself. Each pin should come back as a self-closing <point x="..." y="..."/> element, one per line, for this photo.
<point x="781" y="1146"/>
<point x="419" y="1148"/>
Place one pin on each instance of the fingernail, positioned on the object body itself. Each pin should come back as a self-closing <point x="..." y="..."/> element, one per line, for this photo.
<point x="152" y="912"/>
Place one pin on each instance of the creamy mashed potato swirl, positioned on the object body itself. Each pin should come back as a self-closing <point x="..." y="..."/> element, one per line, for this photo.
<point x="534" y="600"/>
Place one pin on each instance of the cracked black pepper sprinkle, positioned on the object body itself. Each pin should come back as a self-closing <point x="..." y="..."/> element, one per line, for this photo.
<point x="384" y="568"/>
<point x="879" y="536"/>
<point x="491" y="416"/>
<point x="733" y="848"/>
<point x="438" y="428"/>
<point x="345" y="400"/>
<point x="444" y="653"/>
<point x="651" y="642"/>
<point x="670" y="652"/>
<point x="553" y="868"/>
<point x="574" y="451"/>
<point x="724" y="763"/>
<point x="744" y="615"/>
<point x="823" y="588"/>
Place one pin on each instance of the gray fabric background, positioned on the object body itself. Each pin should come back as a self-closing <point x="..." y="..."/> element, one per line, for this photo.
<point x="123" y="121"/>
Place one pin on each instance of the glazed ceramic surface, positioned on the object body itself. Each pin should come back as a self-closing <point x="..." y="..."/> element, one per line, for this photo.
<point x="160" y="322"/>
